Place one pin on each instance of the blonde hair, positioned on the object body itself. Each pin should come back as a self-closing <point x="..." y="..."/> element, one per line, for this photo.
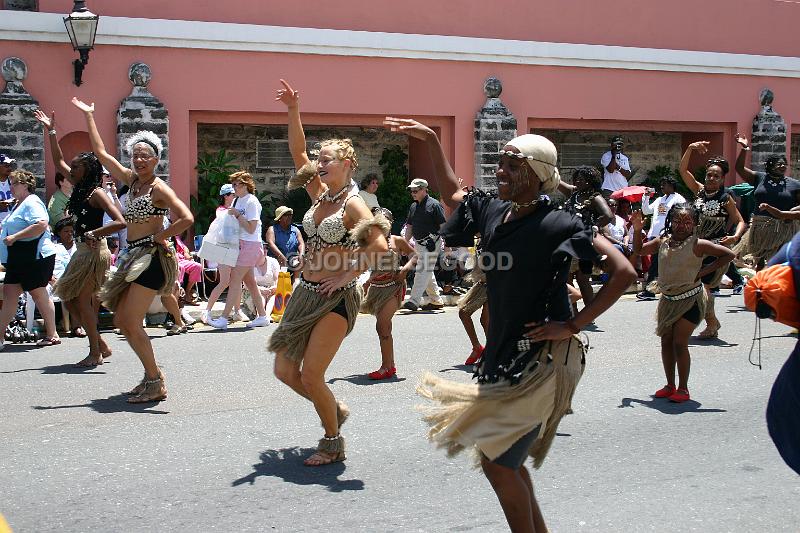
<point x="344" y="150"/>
<point x="25" y="177"/>
<point x="245" y="178"/>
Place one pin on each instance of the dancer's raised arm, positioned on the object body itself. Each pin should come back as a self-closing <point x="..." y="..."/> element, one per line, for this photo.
<point x="747" y="174"/>
<point x="448" y="183"/>
<point x="307" y="174"/>
<point x="110" y="162"/>
<point x="686" y="175"/>
<point x="49" y="125"/>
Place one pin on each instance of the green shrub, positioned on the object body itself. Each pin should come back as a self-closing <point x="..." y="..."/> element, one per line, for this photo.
<point x="393" y="192"/>
<point x="212" y="173"/>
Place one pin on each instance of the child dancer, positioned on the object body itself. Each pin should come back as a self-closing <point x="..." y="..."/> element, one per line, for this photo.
<point x="683" y="301"/>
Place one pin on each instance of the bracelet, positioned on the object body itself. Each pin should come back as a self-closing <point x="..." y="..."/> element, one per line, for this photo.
<point x="572" y="326"/>
<point x="309" y="180"/>
<point x="51" y="132"/>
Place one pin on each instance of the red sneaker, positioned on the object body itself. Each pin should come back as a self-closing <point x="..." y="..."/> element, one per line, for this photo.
<point x="474" y="357"/>
<point x="666" y="392"/>
<point x="382" y="373"/>
<point x="680" y="395"/>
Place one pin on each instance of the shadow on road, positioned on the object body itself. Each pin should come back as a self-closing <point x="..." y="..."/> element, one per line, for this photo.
<point x="462" y="368"/>
<point x="112" y="404"/>
<point x="362" y="379"/>
<point x="68" y="368"/>
<point x="593" y="328"/>
<point x="287" y="464"/>
<point x="669" y="408"/>
<point x="737" y="309"/>
<point x="714" y="341"/>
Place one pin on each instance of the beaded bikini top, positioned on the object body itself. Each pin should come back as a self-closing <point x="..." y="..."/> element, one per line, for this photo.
<point x="330" y="232"/>
<point x="141" y="208"/>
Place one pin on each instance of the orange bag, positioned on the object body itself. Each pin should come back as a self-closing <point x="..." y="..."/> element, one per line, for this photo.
<point x="774" y="286"/>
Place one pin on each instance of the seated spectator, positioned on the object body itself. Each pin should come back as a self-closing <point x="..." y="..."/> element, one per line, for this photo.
<point x="616" y="230"/>
<point x="284" y="241"/>
<point x="57" y="206"/>
<point x="369" y="186"/>
<point x="113" y="247"/>
<point x="189" y="268"/>
<point x="65" y="247"/>
<point x="266" y="275"/>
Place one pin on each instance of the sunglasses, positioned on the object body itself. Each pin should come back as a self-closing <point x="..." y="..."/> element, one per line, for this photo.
<point x="228" y="194"/>
<point x="414" y="190"/>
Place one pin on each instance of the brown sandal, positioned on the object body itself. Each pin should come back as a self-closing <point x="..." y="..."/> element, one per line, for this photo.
<point x="152" y="391"/>
<point x="330" y="450"/>
<point x="137" y="390"/>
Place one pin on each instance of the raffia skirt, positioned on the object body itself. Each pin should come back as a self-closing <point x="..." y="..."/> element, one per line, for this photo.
<point x="305" y="308"/>
<point x="765" y="237"/>
<point x="474" y="299"/>
<point x="382" y="289"/>
<point x="490" y="417"/>
<point x="131" y="264"/>
<point x="669" y="312"/>
<point x="87" y="266"/>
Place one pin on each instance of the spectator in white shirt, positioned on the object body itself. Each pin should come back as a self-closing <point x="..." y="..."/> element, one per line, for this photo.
<point x="65" y="247"/>
<point x="616" y="168"/>
<point x="369" y="186"/>
<point x="617" y="229"/>
<point x="659" y="209"/>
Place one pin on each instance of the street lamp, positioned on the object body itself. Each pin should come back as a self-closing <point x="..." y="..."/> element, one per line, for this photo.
<point x="82" y="28"/>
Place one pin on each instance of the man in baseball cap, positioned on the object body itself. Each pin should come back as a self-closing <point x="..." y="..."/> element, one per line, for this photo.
<point x="425" y="217"/>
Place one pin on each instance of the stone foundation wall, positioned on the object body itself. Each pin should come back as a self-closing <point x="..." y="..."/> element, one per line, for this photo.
<point x="240" y="141"/>
<point x="20" y="5"/>
<point x="794" y="156"/>
<point x="646" y="150"/>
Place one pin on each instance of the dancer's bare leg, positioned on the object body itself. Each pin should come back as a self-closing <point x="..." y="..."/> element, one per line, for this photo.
<point x="85" y="305"/>
<point x="538" y="518"/>
<point x="325" y="339"/>
<point x="383" y="327"/>
<point x="680" y="338"/>
<point x="469" y="327"/>
<point x="514" y="495"/>
<point x="128" y="318"/>
<point x="668" y="356"/>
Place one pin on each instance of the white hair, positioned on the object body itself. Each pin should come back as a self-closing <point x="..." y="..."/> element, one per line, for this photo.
<point x="147" y="137"/>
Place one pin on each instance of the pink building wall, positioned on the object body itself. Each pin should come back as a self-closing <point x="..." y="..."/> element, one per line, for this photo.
<point x="198" y="85"/>
<point x="745" y="26"/>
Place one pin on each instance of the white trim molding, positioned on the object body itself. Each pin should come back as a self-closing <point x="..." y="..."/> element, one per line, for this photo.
<point x="49" y="27"/>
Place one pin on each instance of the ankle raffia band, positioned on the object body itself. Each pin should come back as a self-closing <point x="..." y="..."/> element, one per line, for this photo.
<point x="331" y="445"/>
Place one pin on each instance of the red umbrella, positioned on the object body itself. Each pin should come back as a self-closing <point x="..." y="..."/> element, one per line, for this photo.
<point x="632" y="193"/>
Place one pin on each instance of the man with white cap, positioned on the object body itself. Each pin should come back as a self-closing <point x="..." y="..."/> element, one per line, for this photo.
<point x="425" y="217"/>
<point x="7" y="164"/>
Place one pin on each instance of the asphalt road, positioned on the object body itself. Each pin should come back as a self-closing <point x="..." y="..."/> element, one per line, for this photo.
<point x="224" y="452"/>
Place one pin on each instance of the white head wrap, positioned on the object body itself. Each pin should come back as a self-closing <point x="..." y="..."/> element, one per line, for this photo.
<point x="542" y="157"/>
<point x="147" y="137"/>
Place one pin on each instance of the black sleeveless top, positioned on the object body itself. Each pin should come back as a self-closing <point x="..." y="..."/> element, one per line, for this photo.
<point x="88" y="218"/>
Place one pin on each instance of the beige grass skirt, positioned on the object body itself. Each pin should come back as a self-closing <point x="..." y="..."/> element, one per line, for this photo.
<point x="474" y="298"/>
<point x="382" y="289"/>
<point x="670" y="311"/>
<point x="306" y="307"/>
<point x="765" y="237"/>
<point x="131" y="264"/>
<point x="491" y="417"/>
<point x="87" y="266"/>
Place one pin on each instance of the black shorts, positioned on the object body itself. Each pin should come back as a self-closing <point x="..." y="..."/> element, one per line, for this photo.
<point x="515" y="456"/>
<point x="341" y="310"/>
<point x="153" y="277"/>
<point x="31" y="275"/>
<point x="693" y="315"/>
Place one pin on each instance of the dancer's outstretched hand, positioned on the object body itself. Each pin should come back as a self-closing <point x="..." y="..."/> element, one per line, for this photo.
<point x="742" y="140"/>
<point x="44" y="120"/>
<point x="547" y="331"/>
<point x="409" y="127"/>
<point x="287" y="95"/>
<point x="700" y="146"/>
<point x="86" y="108"/>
